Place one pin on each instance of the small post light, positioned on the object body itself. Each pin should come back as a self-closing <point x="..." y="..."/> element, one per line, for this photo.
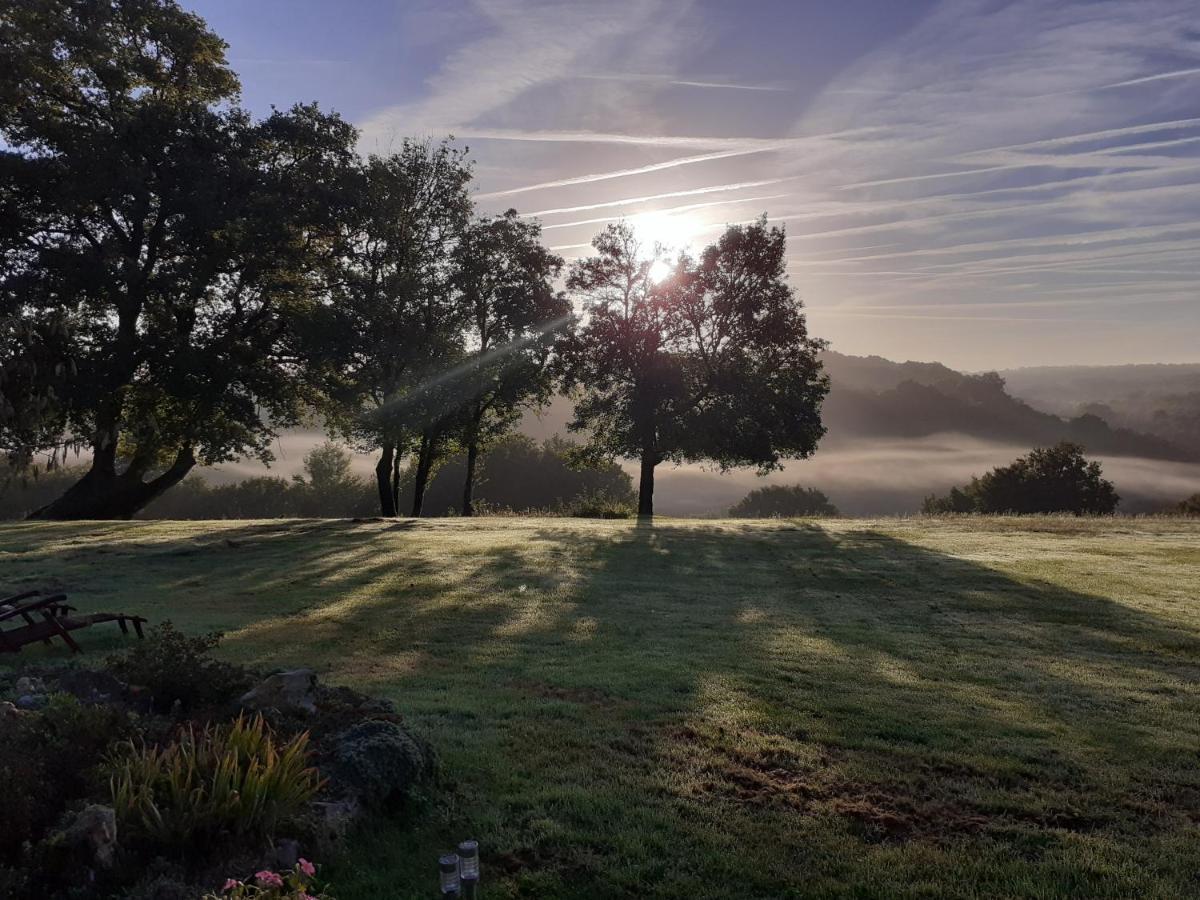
<point x="468" y="868"/>
<point x="448" y="874"/>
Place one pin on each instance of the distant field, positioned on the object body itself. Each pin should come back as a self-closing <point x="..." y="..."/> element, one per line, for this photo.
<point x="726" y="709"/>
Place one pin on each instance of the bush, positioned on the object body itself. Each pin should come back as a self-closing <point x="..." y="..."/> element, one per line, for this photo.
<point x="600" y="505"/>
<point x="227" y="780"/>
<point x="1058" y="479"/>
<point x="176" y="668"/>
<point x="783" y="501"/>
<point x="380" y="761"/>
<point x="48" y="759"/>
<point x="1190" y="506"/>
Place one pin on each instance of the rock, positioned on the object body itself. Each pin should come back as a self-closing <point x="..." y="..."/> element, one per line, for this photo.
<point x="8" y="710"/>
<point x="337" y="817"/>
<point x="285" y="691"/>
<point x="380" y="761"/>
<point x="31" y="701"/>
<point x="93" y="830"/>
<point x="286" y="854"/>
<point x="27" y="684"/>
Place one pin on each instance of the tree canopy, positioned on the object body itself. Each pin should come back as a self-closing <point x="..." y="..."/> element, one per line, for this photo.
<point x="714" y="363"/>
<point x="161" y="233"/>
<point x="783" y="501"/>
<point x="1048" y="480"/>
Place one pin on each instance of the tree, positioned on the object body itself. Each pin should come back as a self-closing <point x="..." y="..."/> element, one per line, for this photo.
<point x="1188" y="507"/>
<point x="504" y="278"/>
<point x="783" y="501"/>
<point x="172" y="237"/>
<point x="712" y="364"/>
<point x="392" y="322"/>
<point x="1048" y="480"/>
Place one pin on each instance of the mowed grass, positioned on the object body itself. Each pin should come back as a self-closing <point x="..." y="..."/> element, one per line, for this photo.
<point x="907" y="708"/>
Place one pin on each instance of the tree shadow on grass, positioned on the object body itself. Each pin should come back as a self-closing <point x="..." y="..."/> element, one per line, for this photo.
<point x="752" y="710"/>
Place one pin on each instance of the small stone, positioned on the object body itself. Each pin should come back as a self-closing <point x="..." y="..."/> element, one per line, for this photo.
<point x="286" y="853"/>
<point x="9" y="710"/>
<point x="31" y="701"/>
<point x="29" y="685"/>
<point x="285" y="691"/>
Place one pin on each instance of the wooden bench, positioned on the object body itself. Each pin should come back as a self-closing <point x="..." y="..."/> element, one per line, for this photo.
<point x="47" y="617"/>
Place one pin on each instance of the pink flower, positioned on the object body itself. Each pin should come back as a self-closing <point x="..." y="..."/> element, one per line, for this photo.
<point x="230" y="884"/>
<point x="307" y="897"/>
<point x="267" y="878"/>
<point x="306" y="867"/>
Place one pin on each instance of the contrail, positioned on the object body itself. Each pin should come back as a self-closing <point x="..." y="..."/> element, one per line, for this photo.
<point x="713" y="189"/>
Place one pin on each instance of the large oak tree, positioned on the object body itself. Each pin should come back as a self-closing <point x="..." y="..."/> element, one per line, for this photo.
<point x="173" y="238"/>
<point x="713" y="363"/>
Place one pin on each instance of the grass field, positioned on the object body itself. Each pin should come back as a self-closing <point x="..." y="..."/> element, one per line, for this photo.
<point x="911" y="708"/>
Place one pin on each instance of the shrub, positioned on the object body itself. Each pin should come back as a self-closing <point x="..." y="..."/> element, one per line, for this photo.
<point x="1190" y="506"/>
<point x="176" y="668"/>
<point x="380" y="760"/>
<point x="782" y="501"/>
<point x="600" y="505"/>
<point x="1058" y="479"/>
<point x="225" y="780"/>
<point x="49" y="759"/>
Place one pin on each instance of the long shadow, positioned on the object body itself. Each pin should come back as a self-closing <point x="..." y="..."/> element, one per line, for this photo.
<point x="733" y="710"/>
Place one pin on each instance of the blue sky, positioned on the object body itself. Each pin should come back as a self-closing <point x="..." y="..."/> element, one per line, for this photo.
<point x="986" y="183"/>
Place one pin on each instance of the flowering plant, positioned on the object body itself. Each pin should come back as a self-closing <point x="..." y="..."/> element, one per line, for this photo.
<point x="294" y="885"/>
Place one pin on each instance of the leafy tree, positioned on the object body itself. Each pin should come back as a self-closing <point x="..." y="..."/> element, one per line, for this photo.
<point x="171" y="237"/>
<point x="504" y="278"/>
<point x="1189" y="507"/>
<point x="392" y="322"/>
<point x="783" y="501"/>
<point x="1049" y="480"/>
<point x="712" y="364"/>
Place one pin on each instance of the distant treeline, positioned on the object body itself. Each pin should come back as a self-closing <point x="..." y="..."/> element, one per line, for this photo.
<point x="875" y="397"/>
<point x="517" y="475"/>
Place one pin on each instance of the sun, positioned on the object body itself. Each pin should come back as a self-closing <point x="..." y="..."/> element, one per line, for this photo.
<point x="673" y="233"/>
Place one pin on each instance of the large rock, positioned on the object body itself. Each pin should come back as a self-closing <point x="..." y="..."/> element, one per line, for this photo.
<point x="293" y="691"/>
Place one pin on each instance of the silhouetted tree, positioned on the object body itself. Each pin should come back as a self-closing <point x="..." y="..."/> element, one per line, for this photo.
<point x="1048" y="480"/>
<point x="504" y="278"/>
<point x="783" y="501"/>
<point x="1189" y="507"/>
<point x="172" y="236"/>
<point x="714" y="363"/>
<point x="394" y="325"/>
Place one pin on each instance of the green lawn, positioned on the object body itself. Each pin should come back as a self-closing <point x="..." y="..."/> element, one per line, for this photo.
<point x="724" y="709"/>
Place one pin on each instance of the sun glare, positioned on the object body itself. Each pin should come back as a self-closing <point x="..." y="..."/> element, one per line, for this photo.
<point x="672" y="233"/>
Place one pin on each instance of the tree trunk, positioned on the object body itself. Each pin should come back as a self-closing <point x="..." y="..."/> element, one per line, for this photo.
<point x="468" y="507"/>
<point x="421" y="477"/>
<point x="103" y="493"/>
<point x="396" y="484"/>
<point x="383" y="478"/>
<point x="646" y="485"/>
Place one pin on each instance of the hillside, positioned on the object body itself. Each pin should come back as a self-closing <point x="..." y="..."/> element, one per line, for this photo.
<point x="1162" y="400"/>
<point x="875" y="397"/>
<point x="709" y="710"/>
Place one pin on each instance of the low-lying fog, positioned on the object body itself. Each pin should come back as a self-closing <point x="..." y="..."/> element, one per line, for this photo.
<point x="873" y="477"/>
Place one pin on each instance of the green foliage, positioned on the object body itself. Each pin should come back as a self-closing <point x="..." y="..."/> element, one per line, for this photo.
<point x="177" y="668"/>
<point x="380" y="760"/>
<point x="1190" y="506"/>
<point x="782" y="501"/>
<point x="224" y="781"/>
<point x="601" y="505"/>
<point x="47" y="761"/>
<point x="1058" y="479"/>
<point x="713" y="363"/>
<point x="171" y="237"/>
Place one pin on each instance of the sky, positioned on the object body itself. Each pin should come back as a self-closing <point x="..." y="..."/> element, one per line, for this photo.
<point x="985" y="183"/>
